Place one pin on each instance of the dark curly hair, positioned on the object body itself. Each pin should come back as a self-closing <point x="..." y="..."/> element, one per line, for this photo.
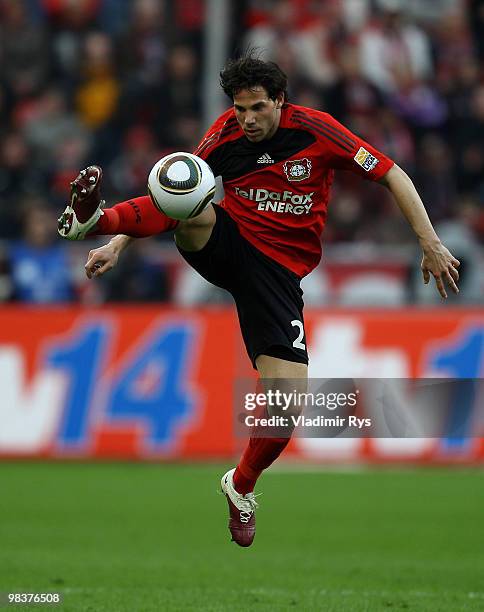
<point x="249" y="72"/>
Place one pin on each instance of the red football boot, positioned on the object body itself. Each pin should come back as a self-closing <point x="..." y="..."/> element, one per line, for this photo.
<point x="241" y="511"/>
<point x="84" y="209"/>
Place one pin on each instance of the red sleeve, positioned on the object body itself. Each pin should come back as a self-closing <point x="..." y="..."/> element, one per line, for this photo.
<point x="347" y="151"/>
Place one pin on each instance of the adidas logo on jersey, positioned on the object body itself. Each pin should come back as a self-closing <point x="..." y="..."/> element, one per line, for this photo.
<point x="265" y="159"/>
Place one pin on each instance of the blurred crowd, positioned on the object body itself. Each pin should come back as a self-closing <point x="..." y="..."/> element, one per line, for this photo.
<point x="118" y="83"/>
<point x="111" y="82"/>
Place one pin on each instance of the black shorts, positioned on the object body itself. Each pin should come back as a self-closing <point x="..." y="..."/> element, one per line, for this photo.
<point x="268" y="296"/>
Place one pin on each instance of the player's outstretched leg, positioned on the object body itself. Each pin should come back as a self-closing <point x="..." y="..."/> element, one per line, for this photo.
<point x="238" y="483"/>
<point x="84" y="215"/>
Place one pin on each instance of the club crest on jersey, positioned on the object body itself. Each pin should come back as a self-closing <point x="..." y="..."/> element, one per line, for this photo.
<point x="298" y="169"/>
<point x="365" y="159"/>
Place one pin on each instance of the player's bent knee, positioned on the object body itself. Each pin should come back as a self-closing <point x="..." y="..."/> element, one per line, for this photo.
<point x="203" y="220"/>
<point x="193" y="234"/>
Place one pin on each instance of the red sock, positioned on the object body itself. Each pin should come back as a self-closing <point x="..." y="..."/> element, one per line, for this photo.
<point x="137" y="217"/>
<point x="258" y="456"/>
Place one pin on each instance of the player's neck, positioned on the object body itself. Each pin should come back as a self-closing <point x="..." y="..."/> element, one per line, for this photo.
<point x="275" y="126"/>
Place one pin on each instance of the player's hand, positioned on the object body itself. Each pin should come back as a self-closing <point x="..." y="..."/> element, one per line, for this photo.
<point x="101" y="260"/>
<point x="442" y="265"/>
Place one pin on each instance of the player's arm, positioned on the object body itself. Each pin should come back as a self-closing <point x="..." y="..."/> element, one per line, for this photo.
<point x="437" y="259"/>
<point x="103" y="259"/>
<point x="347" y="151"/>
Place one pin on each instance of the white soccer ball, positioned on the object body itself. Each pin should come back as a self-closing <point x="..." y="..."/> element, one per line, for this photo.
<point x="181" y="185"/>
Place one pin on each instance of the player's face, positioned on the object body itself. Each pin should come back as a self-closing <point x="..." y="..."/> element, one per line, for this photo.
<point x="257" y="114"/>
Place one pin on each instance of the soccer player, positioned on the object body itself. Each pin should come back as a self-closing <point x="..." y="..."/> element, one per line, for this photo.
<point x="276" y="161"/>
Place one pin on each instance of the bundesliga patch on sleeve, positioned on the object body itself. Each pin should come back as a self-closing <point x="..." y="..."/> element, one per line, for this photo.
<point x="365" y="159"/>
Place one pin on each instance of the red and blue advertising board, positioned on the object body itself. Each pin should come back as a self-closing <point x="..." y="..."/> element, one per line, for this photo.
<point x="156" y="383"/>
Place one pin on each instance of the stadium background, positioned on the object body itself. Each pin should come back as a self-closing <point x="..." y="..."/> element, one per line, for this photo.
<point x="140" y="365"/>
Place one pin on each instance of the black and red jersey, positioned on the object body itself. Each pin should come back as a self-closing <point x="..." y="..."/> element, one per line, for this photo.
<point x="277" y="190"/>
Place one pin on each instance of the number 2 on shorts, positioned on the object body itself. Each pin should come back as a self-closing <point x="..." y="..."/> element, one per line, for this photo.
<point x="297" y="342"/>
